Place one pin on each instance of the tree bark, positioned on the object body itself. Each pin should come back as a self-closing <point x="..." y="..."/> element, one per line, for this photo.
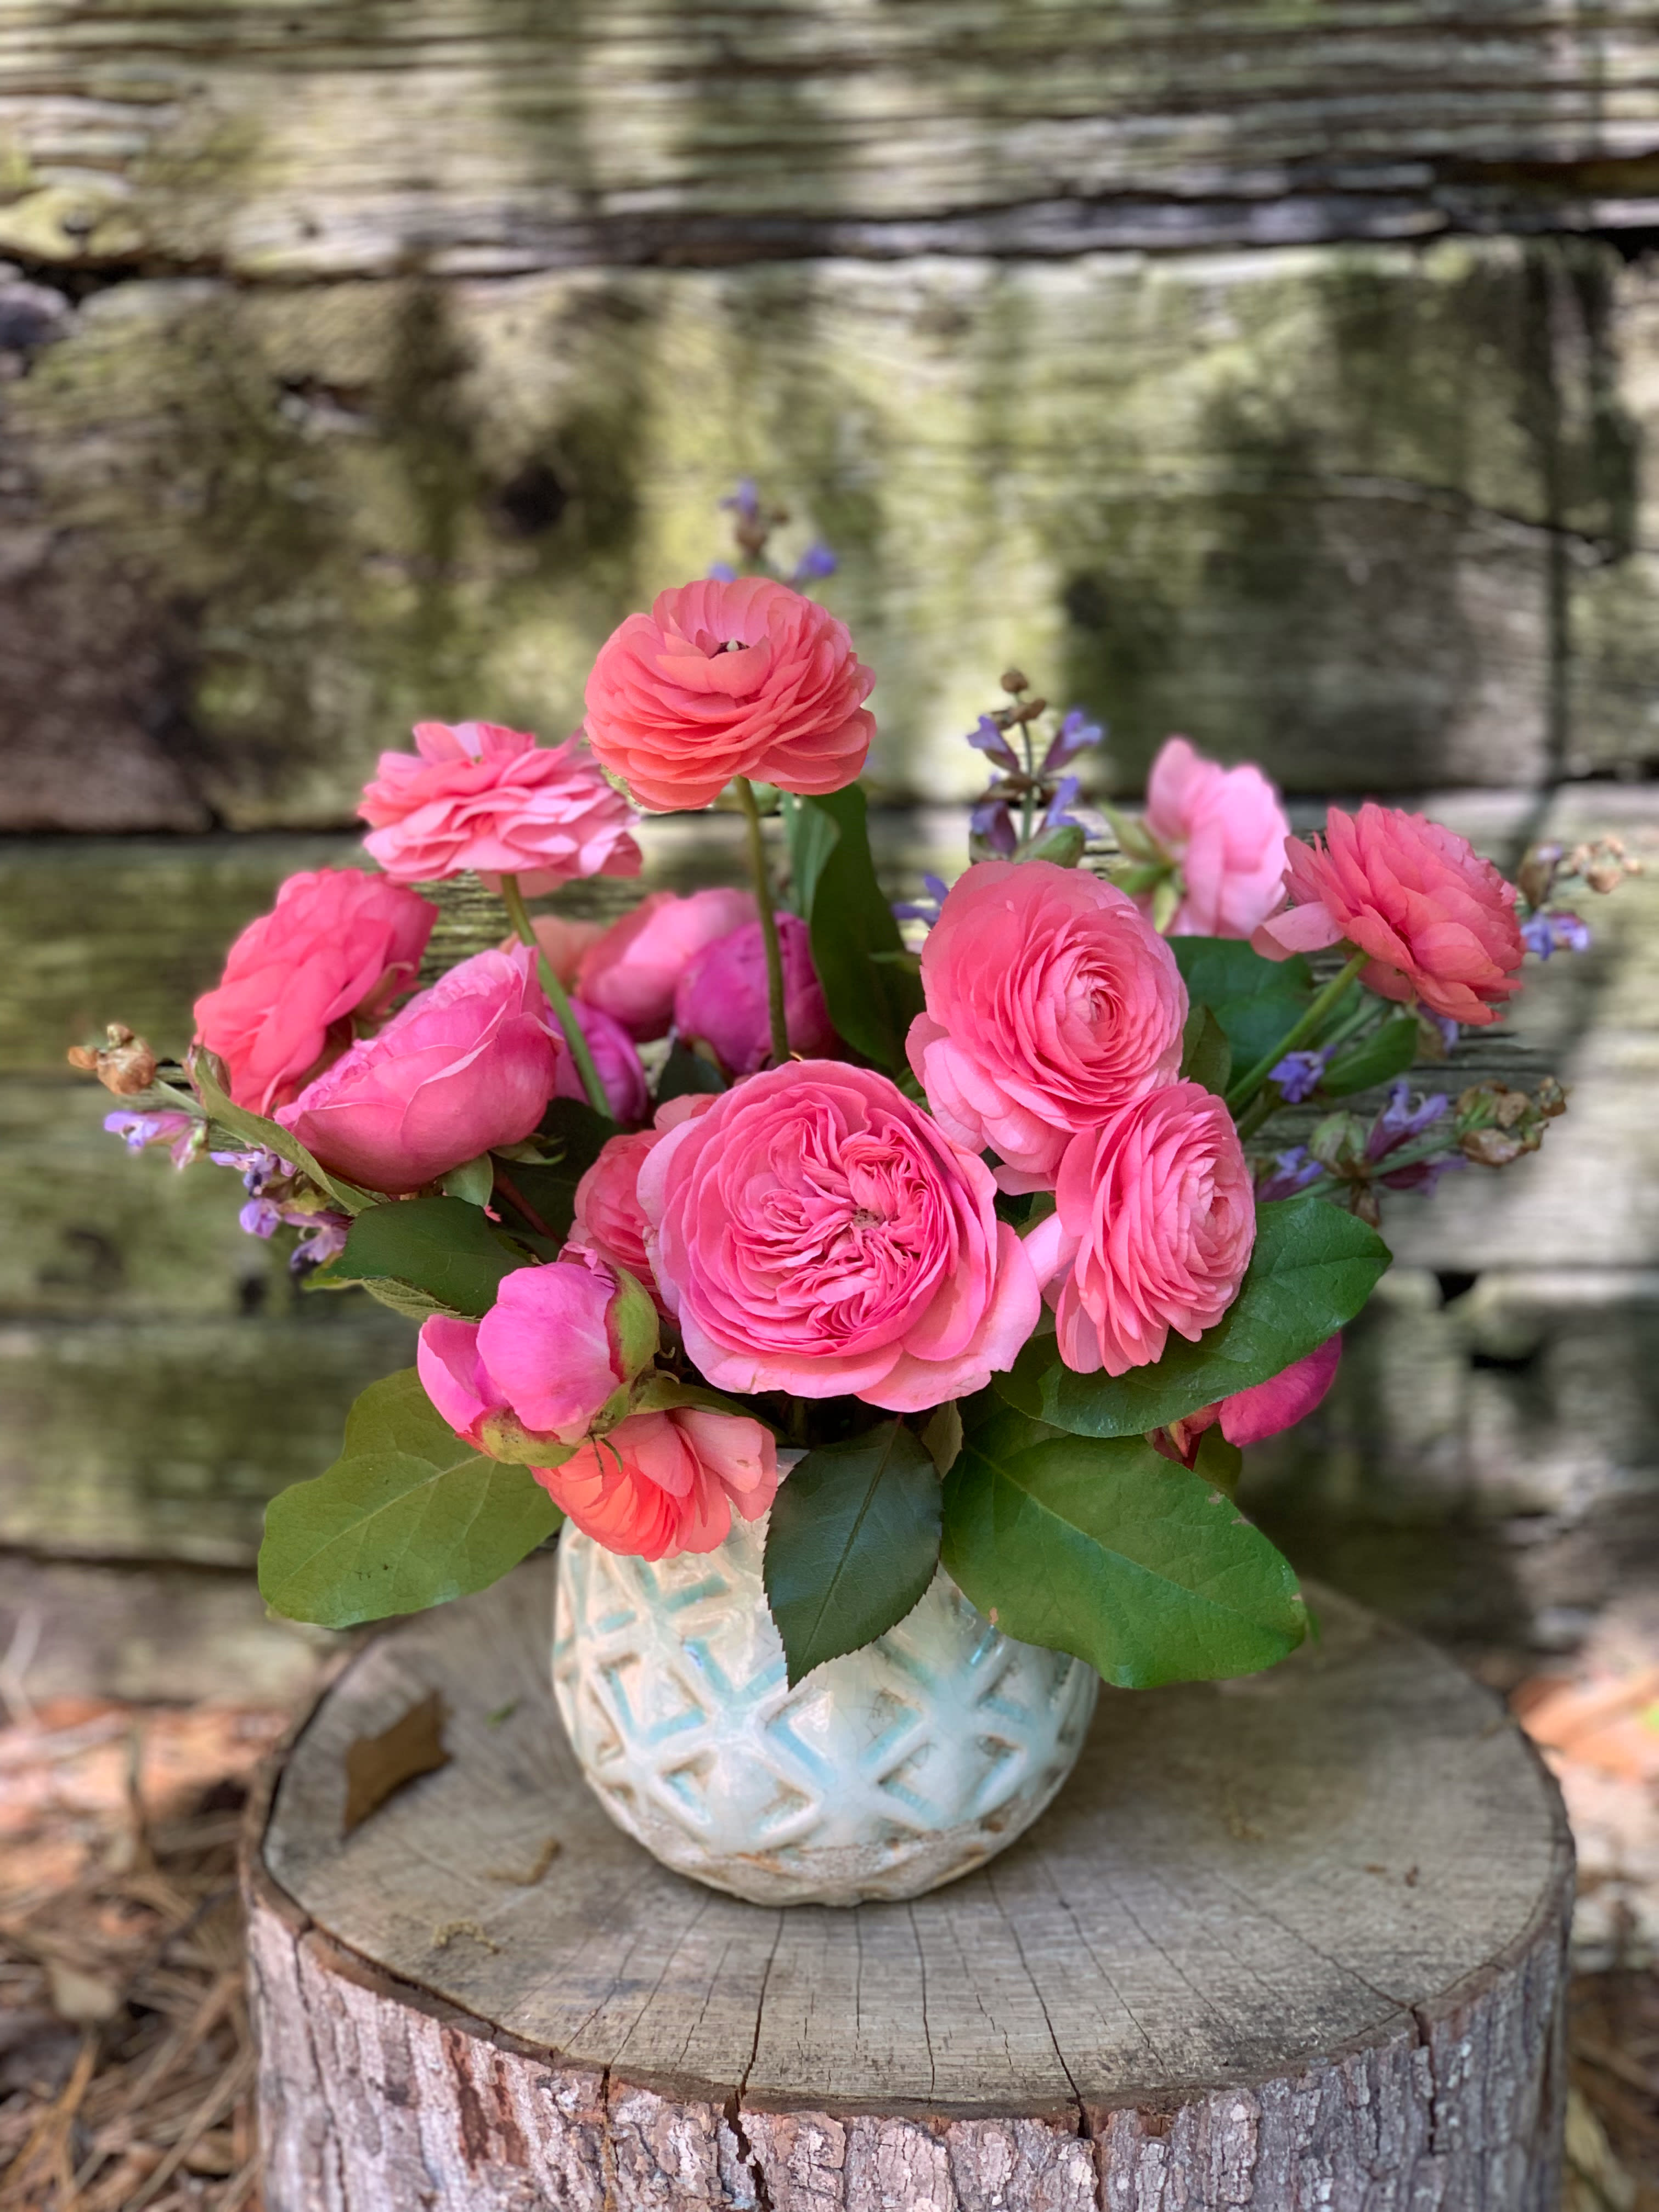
<point x="1297" y="1941"/>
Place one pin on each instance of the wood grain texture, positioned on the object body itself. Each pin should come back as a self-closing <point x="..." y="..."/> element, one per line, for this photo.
<point x="275" y="140"/>
<point x="1291" y="1940"/>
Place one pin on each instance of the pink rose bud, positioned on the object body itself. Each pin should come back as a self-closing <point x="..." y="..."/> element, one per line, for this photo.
<point x="564" y="942"/>
<point x="339" y="942"/>
<point x="553" y="1356"/>
<point x="492" y="799"/>
<point x="814" y="1231"/>
<point x="1438" y="921"/>
<point x="1152" y="1229"/>
<point x="662" y="1483"/>
<point x="1051" y="1003"/>
<point x="631" y="971"/>
<point x="745" y="677"/>
<point x="620" y="1070"/>
<point x="1248" y="1416"/>
<point x="1227" y="829"/>
<point x="463" y="1068"/>
<point x="722" y="998"/>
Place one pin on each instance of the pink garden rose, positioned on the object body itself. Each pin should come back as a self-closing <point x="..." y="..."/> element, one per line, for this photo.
<point x="631" y="970"/>
<point x="1227" y="829"/>
<point x="618" y="1064"/>
<point x="610" y="1220"/>
<point x="1438" y="921"/>
<point x="464" y="1067"/>
<point x="1051" y="1002"/>
<point x="339" y="942"/>
<point x="546" y="1362"/>
<point x="815" y="1232"/>
<point x="1153" y="1229"/>
<point x="1249" y="1417"/>
<point x="662" y="1483"/>
<point x="564" y="943"/>
<point x="724" y="679"/>
<point x="492" y="799"/>
<point x="721" y="1000"/>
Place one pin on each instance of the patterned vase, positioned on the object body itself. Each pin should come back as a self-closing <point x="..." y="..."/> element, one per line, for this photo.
<point x="881" y="1775"/>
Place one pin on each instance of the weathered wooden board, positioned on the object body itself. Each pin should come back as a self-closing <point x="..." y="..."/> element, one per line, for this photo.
<point x="330" y="135"/>
<point x="1287" y="1941"/>
<point x="1373" y="515"/>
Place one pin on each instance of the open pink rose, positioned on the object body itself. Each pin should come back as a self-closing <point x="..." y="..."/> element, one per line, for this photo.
<point x="492" y="799"/>
<point x="813" y="1231"/>
<point x="608" y="1218"/>
<point x="1153" y="1229"/>
<point x="547" y="1360"/>
<point x="1438" y="921"/>
<point x="662" y="1483"/>
<point x="1051" y="1002"/>
<point x="339" y="942"/>
<point x="724" y="679"/>
<point x="1248" y="1416"/>
<point x="721" y="1000"/>
<point x="465" y="1067"/>
<point x="631" y="970"/>
<point x="619" y="1067"/>
<point x="1227" y="829"/>
<point x="565" y="942"/>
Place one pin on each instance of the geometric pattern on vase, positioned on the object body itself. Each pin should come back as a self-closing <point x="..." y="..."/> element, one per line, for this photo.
<point x="883" y="1774"/>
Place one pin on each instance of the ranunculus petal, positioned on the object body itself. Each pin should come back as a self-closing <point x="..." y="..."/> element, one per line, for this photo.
<point x="1227" y="829"/>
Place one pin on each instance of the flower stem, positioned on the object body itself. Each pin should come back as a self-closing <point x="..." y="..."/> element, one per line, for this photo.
<point x="768" y="921"/>
<point x="1245" y="1089"/>
<point x="557" y="998"/>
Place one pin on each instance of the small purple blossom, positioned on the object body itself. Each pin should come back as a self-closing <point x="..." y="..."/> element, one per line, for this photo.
<point x="1557" y="930"/>
<point x="1298" y="1074"/>
<point x="1399" y="1121"/>
<point x="1422" y="1175"/>
<point x="1291" y="1172"/>
<point x="1448" y="1028"/>
<point x="721" y="572"/>
<point x="1058" y="816"/>
<point x="993" y="823"/>
<point x="1073" y="736"/>
<point x="261" y="1217"/>
<point x="137" y="1132"/>
<point x="324" y="1240"/>
<point x="925" y="910"/>
<point x="744" y="502"/>
<point x="256" y="1168"/>
<point x="992" y="742"/>
<point x="816" y="563"/>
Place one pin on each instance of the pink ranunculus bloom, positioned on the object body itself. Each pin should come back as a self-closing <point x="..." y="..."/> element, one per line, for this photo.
<point x="464" y="1067"/>
<point x="1248" y="1416"/>
<point x="339" y="942"/>
<point x="724" y="679"/>
<point x="813" y="1231"/>
<point x="1438" y="921"/>
<point x="481" y="797"/>
<point x="542" y="1366"/>
<point x="619" y="1066"/>
<point x="662" y="1483"/>
<point x="1051" y="1003"/>
<point x="631" y="970"/>
<point x="722" y="998"/>
<point x="1227" y="829"/>
<point x="1153" y="1224"/>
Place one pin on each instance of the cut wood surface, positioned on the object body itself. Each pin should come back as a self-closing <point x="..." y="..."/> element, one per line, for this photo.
<point x="1292" y="1940"/>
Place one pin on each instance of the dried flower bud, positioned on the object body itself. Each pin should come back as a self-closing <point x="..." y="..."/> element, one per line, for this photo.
<point x="1491" y="1148"/>
<point x="1552" y="1098"/>
<point x="1604" y="875"/>
<point x="125" y="1065"/>
<point x="1339" y="1140"/>
<point x="1014" y="681"/>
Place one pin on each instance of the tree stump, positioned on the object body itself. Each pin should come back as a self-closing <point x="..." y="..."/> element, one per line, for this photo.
<point x="1290" y="1942"/>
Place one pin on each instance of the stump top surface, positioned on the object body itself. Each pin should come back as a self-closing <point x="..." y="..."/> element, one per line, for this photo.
<point x="1239" y="1875"/>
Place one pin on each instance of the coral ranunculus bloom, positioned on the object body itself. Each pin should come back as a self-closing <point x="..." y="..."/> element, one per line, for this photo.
<point x="727" y="679"/>
<point x="1438" y="921"/>
<point x="1227" y="829"/>
<point x="661" y="1483"/>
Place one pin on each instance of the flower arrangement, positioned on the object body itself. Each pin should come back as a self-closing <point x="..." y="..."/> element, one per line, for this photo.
<point x="954" y="1233"/>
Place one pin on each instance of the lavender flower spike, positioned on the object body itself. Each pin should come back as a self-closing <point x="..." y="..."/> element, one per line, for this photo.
<point x="1291" y="1172"/>
<point x="1399" y="1121"/>
<point x="924" y="910"/>
<point x="744" y="502"/>
<point x="1058" y="815"/>
<point x="1298" y="1074"/>
<point x="1074" y="734"/>
<point x="991" y="821"/>
<point x="817" y="562"/>
<point x="989" y="739"/>
<point x="177" y="1131"/>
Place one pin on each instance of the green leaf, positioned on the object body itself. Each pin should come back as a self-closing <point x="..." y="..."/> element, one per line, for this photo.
<point x="853" y="1544"/>
<point x="1111" y="1552"/>
<point x="871" y="1002"/>
<point x="408" y="1516"/>
<point x="473" y="1181"/>
<point x="686" y="1074"/>
<point x="207" y="1073"/>
<point x="1256" y="1001"/>
<point x="1217" y="1462"/>
<point x="812" y="836"/>
<point x="1388" y="1051"/>
<point x="1313" y="1268"/>
<point x="539" y="1197"/>
<point x="441" y="1249"/>
<point x="1207" y="1057"/>
<point x="1065" y="845"/>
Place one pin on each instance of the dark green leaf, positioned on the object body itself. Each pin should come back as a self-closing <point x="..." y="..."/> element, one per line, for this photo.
<point x="440" y="1247"/>
<point x="853" y="1544"/>
<point x="1217" y="1462"/>
<point x="1256" y="1001"/>
<point x="575" y="1134"/>
<point x="408" y="1517"/>
<point x="1207" y="1057"/>
<point x="812" y="836"/>
<point x="686" y="1074"/>
<point x="1065" y="845"/>
<point x="1313" y="1268"/>
<point x="1111" y="1552"/>
<point x="871" y="1002"/>
<point x="1388" y="1051"/>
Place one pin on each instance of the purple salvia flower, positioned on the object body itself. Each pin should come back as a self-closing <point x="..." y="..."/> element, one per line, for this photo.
<point x="1422" y="1175"/>
<point x="925" y="910"/>
<point x="991" y="821"/>
<point x="721" y="572"/>
<point x="137" y="1132"/>
<point x="1569" y="934"/>
<point x="1291" y="1172"/>
<point x="1073" y="736"/>
<point x="325" y="1240"/>
<point x="817" y="562"/>
<point x="1399" y="1121"/>
<point x="261" y="1217"/>
<point x="1537" y="935"/>
<point x="744" y="502"/>
<point x="1298" y="1074"/>
<point x="991" y="741"/>
<point x="1065" y="794"/>
<point x="1448" y="1028"/>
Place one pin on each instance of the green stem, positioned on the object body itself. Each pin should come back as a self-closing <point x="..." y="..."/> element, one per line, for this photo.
<point x="1027" y="808"/>
<point x="768" y="921"/>
<point x="1267" y="1104"/>
<point x="557" y="998"/>
<point x="1245" y="1089"/>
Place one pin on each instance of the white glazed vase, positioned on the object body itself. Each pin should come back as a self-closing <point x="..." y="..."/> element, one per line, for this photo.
<point x="881" y="1775"/>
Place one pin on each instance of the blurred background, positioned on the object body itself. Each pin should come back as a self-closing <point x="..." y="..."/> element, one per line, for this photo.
<point x="1287" y="377"/>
